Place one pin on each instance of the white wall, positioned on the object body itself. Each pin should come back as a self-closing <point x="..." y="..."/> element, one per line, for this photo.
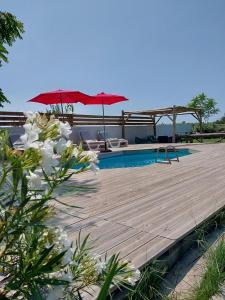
<point x="167" y="129"/>
<point x="113" y="131"/>
<point x="116" y="131"/>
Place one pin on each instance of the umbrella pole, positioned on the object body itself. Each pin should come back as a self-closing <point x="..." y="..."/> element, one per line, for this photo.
<point x="103" y="114"/>
<point x="62" y="107"/>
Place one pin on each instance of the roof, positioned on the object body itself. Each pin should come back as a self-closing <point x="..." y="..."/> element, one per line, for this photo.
<point x="165" y="111"/>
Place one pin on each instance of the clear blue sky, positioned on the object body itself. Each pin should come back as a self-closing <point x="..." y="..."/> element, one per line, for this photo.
<point x="155" y="52"/>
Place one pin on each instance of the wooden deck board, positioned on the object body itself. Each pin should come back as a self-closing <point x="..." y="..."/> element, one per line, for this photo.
<point x="141" y="212"/>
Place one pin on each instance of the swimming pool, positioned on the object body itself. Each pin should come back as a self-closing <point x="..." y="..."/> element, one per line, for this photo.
<point x="135" y="158"/>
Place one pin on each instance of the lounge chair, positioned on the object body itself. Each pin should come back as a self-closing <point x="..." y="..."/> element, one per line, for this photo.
<point x="15" y="142"/>
<point x="89" y="143"/>
<point x="112" y="142"/>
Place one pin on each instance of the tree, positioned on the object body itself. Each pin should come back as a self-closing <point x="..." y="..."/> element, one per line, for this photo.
<point x="221" y="120"/>
<point x="3" y="98"/>
<point x="207" y="105"/>
<point x="10" y="30"/>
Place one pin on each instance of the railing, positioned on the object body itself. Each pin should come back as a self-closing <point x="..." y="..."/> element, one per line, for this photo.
<point x="9" y="119"/>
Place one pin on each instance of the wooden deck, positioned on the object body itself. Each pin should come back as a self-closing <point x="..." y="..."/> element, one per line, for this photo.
<point x="142" y="212"/>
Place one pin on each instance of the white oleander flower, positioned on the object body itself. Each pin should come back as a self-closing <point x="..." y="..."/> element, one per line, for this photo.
<point x="133" y="279"/>
<point x="76" y="152"/>
<point x="131" y="267"/>
<point x="100" y="266"/>
<point x="62" y="243"/>
<point x="36" y="197"/>
<point x="49" y="160"/>
<point x="48" y="147"/>
<point x="58" y="230"/>
<point x="63" y="240"/>
<point x="65" y="129"/>
<point x="92" y="156"/>
<point x="31" y="116"/>
<point x="61" y="145"/>
<point x="48" y="164"/>
<point x="31" y="136"/>
<point x="34" y="181"/>
<point x="56" y="275"/>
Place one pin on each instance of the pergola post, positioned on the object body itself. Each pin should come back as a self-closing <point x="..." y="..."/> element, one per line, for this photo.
<point x="70" y="119"/>
<point x="123" y="124"/>
<point x="200" y="123"/>
<point x="174" y="117"/>
<point x="154" y="126"/>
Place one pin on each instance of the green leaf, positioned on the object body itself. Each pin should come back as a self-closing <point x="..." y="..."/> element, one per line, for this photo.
<point x="56" y="260"/>
<point x="36" y="293"/>
<point x="11" y="29"/>
<point x="51" y="281"/>
<point x="24" y="188"/>
<point x="44" y="254"/>
<point x="35" y="206"/>
<point x="113" y="264"/>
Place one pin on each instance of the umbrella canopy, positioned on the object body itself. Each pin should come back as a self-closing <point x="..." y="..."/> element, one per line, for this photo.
<point x="60" y="97"/>
<point x="103" y="99"/>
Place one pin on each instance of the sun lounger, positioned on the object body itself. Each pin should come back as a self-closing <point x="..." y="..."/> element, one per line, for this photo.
<point x="15" y="142"/>
<point x="89" y="143"/>
<point x="113" y="142"/>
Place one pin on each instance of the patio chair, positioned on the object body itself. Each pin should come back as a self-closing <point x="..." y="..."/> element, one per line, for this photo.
<point x="163" y="139"/>
<point x="90" y="143"/>
<point x="151" y="139"/>
<point x="139" y="140"/>
<point x="112" y="142"/>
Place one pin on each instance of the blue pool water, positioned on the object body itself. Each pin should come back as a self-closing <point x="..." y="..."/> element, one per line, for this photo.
<point x="136" y="158"/>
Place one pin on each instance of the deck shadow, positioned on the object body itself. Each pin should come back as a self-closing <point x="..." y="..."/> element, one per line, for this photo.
<point x="77" y="188"/>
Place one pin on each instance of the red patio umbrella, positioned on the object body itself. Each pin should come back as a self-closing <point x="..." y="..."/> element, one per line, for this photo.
<point x="60" y="97"/>
<point x="103" y="99"/>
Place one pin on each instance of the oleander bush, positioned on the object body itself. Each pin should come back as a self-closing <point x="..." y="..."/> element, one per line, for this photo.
<point x="37" y="260"/>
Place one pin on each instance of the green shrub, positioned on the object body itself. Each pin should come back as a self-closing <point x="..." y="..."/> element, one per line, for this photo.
<point x="38" y="260"/>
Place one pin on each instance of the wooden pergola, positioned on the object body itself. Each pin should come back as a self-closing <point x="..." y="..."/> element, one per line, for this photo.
<point x="169" y="112"/>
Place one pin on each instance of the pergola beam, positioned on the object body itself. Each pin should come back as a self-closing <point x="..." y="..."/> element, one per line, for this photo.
<point x="158" y="119"/>
<point x="171" y="113"/>
<point x="165" y="111"/>
<point x="170" y="117"/>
